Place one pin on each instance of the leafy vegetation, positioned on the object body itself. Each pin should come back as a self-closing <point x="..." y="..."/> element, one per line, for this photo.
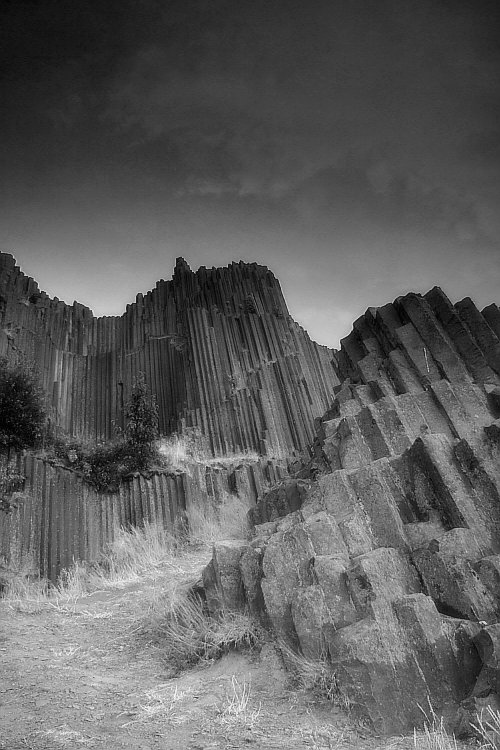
<point x="22" y="414"/>
<point x="141" y="430"/>
<point x="105" y="466"/>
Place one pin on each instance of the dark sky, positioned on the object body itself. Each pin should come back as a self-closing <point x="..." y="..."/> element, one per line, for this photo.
<point x="352" y="146"/>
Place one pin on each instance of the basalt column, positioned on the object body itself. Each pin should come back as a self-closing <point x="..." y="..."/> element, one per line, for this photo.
<point x="217" y="347"/>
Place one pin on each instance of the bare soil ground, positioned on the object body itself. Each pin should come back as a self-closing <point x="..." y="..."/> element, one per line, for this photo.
<point x="84" y="676"/>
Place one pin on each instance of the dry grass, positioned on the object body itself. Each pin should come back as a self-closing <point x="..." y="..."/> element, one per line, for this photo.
<point x="179" y="451"/>
<point x="178" y="625"/>
<point x="488" y="728"/>
<point x="135" y="554"/>
<point x="316" y="675"/>
<point x="211" y="523"/>
<point x="236" y="709"/>
<point x="434" y="737"/>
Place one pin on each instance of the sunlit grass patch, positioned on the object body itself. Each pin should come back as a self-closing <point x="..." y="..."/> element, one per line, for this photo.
<point x="178" y="451"/>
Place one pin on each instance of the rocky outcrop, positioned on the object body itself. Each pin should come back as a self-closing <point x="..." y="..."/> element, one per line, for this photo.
<point x="218" y="349"/>
<point x="387" y="559"/>
<point x="225" y="362"/>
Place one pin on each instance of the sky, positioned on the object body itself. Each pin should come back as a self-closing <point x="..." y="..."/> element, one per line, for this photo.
<point x="352" y="146"/>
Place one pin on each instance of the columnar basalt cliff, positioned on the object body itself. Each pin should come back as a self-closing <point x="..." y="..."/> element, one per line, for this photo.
<point x="217" y="347"/>
<point x="222" y="355"/>
<point x="384" y="552"/>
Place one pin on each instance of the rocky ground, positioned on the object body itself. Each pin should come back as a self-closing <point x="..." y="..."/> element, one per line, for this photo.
<point x="82" y="675"/>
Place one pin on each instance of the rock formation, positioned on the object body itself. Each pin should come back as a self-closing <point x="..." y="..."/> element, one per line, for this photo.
<point x="218" y="349"/>
<point x="383" y="554"/>
<point x="224" y="359"/>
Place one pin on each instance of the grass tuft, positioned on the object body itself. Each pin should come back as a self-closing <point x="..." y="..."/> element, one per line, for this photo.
<point x="235" y="708"/>
<point x="227" y="520"/>
<point x="186" y="635"/>
<point x="434" y="735"/>
<point x="488" y="728"/>
<point x="316" y="675"/>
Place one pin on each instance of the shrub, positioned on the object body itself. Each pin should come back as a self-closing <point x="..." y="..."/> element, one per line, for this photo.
<point x="22" y="415"/>
<point x="141" y="428"/>
<point x="106" y="465"/>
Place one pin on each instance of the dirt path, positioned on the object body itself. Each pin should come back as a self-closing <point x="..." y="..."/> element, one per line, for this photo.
<point x="81" y="676"/>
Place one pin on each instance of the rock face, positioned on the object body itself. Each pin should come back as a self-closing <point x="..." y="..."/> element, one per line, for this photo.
<point x="384" y="552"/>
<point x="217" y="347"/>
<point x="222" y="355"/>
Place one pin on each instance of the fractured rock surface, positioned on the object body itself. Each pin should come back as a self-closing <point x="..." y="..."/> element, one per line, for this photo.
<point x="384" y="554"/>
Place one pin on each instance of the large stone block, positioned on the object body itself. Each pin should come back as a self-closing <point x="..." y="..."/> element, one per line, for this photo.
<point x="442" y="665"/>
<point x="376" y="674"/>
<point x="488" y="572"/>
<point x="331" y="574"/>
<point x="374" y="495"/>
<point x="287" y="566"/>
<point x="325" y="536"/>
<point x="226" y="567"/>
<point x="353" y="448"/>
<point x="454" y="585"/>
<point x="487" y="642"/>
<point x="378" y="577"/>
<point x="250" y="564"/>
<point x="310" y="614"/>
<point x="341" y="502"/>
<point x="451" y="492"/>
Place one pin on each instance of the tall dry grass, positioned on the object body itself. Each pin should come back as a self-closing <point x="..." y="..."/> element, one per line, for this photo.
<point x="487" y="726"/>
<point x="213" y="522"/>
<point x="135" y="554"/>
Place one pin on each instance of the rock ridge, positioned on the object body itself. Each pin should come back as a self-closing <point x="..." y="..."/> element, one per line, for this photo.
<point x="383" y="552"/>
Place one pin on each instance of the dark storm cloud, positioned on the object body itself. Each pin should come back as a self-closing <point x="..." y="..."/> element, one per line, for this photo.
<point x="257" y="99"/>
<point x="253" y="98"/>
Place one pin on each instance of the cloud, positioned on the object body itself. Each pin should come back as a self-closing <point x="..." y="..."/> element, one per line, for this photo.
<point x="257" y="102"/>
<point x="379" y="194"/>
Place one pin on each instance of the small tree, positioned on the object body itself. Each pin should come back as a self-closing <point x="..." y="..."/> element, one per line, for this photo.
<point x="141" y="428"/>
<point x="22" y="415"/>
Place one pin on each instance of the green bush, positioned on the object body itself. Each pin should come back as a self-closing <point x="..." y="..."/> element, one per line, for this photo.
<point x="22" y="415"/>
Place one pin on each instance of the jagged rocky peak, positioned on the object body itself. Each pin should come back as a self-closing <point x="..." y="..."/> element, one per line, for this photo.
<point x="384" y="552"/>
<point x="181" y="265"/>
